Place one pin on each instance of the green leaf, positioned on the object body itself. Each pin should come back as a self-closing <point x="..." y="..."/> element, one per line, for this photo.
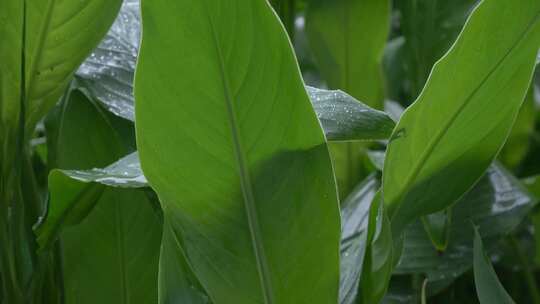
<point x="497" y="204"/>
<point x="59" y="36"/>
<point x="445" y="141"/>
<point x="354" y="219"/>
<point x="428" y="28"/>
<point x="346" y="119"/>
<point x="77" y="114"/>
<point x="110" y="236"/>
<point x="75" y="193"/>
<point x="177" y="282"/>
<point x="437" y="226"/>
<point x="234" y="150"/>
<point x="11" y="50"/>
<point x="378" y="262"/>
<point x="108" y="73"/>
<point x="488" y="287"/>
<point x="517" y="145"/>
<point x="347" y="38"/>
<point x="108" y="76"/>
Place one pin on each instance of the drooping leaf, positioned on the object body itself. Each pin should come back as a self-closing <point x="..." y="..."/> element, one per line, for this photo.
<point x="236" y="154"/>
<point x="345" y="119"/>
<point x="110" y="236"/>
<point x="75" y="193"/>
<point x="108" y="73"/>
<point x="497" y="204"/>
<point x="449" y="136"/>
<point x="125" y="173"/>
<point x="488" y="287"/>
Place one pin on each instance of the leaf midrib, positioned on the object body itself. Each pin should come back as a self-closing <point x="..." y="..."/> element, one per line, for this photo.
<point x="424" y="157"/>
<point x="245" y="180"/>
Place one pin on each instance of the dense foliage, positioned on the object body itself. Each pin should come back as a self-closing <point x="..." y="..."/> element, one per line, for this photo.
<point x="283" y="151"/>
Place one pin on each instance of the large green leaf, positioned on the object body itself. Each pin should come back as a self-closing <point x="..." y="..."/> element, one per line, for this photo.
<point x="235" y="152"/>
<point x="109" y="236"/>
<point x="347" y="38"/>
<point x="488" y="287"/>
<point x="445" y="141"/>
<point x="59" y="36"/>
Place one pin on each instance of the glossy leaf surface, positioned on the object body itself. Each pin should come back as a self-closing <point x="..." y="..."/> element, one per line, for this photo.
<point x="449" y="136"/>
<point x="237" y="155"/>
<point x="108" y="73"/>
<point x="344" y="118"/>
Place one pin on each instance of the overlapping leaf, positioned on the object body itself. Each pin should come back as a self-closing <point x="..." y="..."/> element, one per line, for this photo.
<point x="108" y="76"/>
<point x="488" y="287"/>
<point x="110" y="236"/>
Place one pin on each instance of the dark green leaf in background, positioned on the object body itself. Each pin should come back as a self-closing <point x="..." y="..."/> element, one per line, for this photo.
<point x="378" y="261"/>
<point x="355" y="218"/>
<point x="497" y="204"/>
<point x="109" y="236"/>
<point x="428" y="29"/>
<point x="488" y="287"/>
<point x="347" y="38"/>
<point x="437" y="225"/>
